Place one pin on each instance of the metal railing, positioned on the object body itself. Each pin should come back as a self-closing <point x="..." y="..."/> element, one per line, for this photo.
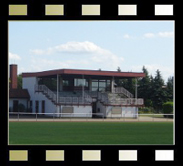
<point x="123" y="91"/>
<point x="124" y="101"/>
<point x="86" y="99"/>
<point x="50" y="94"/>
<point x="23" y="116"/>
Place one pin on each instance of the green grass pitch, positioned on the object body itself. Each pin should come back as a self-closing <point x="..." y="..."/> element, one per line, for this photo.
<point x="94" y="133"/>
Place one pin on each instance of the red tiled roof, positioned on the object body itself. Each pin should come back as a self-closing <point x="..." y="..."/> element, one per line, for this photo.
<point x="83" y="72"/>
<point x="19" y="93"/>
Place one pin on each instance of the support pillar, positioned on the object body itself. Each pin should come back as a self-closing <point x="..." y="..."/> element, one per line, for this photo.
<point x="90" y="84"/>
<point x="57" y="87"/>
<point x="136" y="109"/>
<point x="136" y="88"/>
<point x="57" y="94"/>
<point x="60" y="84"/>
<point x="112" y="84"/>
<point x="83" y="87"/>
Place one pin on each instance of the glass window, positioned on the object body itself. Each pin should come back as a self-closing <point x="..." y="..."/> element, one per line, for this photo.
<point x="65" y="82"/>
<point x="80" y="82"/>
<point x="94" y="83"/>
<point x="108" y="83"/>
<point x="94" y="88"/>
<point x="101" y="89"/>
<point x="102" y="84"/>
<point x="86" y="83"/>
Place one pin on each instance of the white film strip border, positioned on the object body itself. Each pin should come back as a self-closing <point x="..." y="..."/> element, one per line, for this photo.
<point x="92" y="10"/>
<point x="91" y="155"/>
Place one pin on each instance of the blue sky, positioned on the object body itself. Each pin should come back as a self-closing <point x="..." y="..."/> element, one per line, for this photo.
<point x="47" y="45"/>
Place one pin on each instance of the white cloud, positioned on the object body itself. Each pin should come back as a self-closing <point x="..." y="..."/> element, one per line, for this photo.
<point x="159" y="34"/>
<point x="37" y="52"/>
<point x="94" y="56"/>
<point x="14" y="56"/>
<point x="149" y="35"/>
<point x="40" y="64"/>
<point x="79" y="47"/>
<point x="126" y="36"/>
<point x="71" y="47"/>
<point x="166" y="34"/>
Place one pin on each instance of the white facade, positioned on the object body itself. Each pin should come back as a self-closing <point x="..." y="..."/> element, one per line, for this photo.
<point x="78" y="111"/>
<point x="107" y="111"/>
<point x="50" y="107"/>
<point x="29" y="84"/>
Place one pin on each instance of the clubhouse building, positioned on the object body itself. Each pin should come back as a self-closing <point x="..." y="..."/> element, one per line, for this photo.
<point x="80" y="93"/>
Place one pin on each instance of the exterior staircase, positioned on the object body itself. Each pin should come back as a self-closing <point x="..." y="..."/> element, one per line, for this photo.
<point x="121" y="90"/>
<point x="69" y="98"/>
<point x="47" y="92"/>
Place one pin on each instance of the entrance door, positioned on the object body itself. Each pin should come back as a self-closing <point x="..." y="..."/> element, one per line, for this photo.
<point x="43" y="106"/>
<point x="15" y="105"/>
<point x="94" y="109"/>
<point x="37" y="106"/>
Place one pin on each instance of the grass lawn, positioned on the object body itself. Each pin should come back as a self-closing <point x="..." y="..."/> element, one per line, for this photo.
<point x="90" y="133"/>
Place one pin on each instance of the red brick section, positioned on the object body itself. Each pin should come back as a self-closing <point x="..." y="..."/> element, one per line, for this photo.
<point x="83" y="72"/>
<point x="13" y="76"/>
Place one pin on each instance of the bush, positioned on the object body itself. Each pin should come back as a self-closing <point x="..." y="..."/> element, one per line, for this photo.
<point x="146" y="110"/>
<point x="168" y="109"/>
<point x="21" y="107"/>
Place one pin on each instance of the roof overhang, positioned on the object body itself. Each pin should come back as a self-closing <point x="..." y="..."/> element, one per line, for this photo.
<point x="84" y="72"/>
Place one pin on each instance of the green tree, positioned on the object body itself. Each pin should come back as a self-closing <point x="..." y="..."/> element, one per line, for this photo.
<point x="119" y="69"/>
<point x="169" y="89"/>
<point x="168" y="109"/>
<point x="158" y="93"/>
<point x="127" y="83"/>
<point x="19" y="81"/>
<point x="144" y="89"/>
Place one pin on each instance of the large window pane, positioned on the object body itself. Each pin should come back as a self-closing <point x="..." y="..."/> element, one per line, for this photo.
<point x="101" y="89"/>
<point x="94" y="89"/>
<point x="94" y="84"/>
<point x="102" y="84"/>
<point x="80" y="82"/>
<point x="65" y="82"/>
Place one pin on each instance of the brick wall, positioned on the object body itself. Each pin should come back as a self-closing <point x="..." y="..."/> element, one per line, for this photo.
<point x="13" y="76"/>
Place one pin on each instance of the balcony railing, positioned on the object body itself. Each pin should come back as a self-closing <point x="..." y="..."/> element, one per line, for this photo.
<point x="126" y="101"/>
<point x="122" y="91"/>
<point x="86" y="99"/>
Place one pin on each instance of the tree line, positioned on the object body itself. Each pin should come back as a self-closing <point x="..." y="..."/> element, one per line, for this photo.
<point x="154" y="90"/>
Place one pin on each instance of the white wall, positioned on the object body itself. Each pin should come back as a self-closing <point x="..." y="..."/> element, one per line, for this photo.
<point x="29" y="83"/>
<point x="126" y="111"/>
<point x="129" y="111"/>
<point x="79" y="111"/>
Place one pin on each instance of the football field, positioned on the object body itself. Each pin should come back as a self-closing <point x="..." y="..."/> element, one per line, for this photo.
<point x="90" y="133"/>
